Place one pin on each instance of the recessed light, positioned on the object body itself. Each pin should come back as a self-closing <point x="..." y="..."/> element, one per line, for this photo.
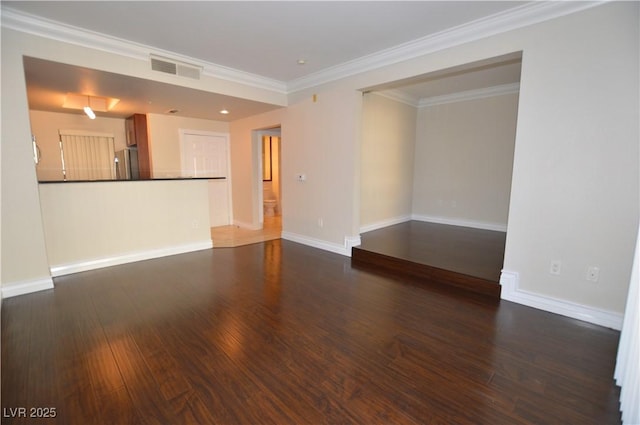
<point x="301" y="61"/>
<point x="224" y="112"/>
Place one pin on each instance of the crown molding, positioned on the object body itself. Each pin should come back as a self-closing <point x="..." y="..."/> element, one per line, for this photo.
<point x="470" y="95"/>
<point x="522" y="16"/>
<point x="34" y="25"/>
<point x="519" y="17"/>
<point x="398" y="96"/>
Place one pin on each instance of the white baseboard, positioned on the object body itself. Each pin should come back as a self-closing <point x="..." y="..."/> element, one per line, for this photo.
<point x="498" y="227"/>
<point x="20" y="288"/>
<point x="350" y="241"/>
<point x="81" y="266"/>
<point x="511" y="291"/>
<point x="384" y="223"/>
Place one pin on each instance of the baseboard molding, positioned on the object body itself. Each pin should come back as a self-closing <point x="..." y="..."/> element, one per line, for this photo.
<point x="511" y="291"/>
<point x="81" y="266"/>
<point x="384" y="223"/>
<point x="350" y="241"/>
<point x="21" y="288"/>
<point x="460" y="222"/>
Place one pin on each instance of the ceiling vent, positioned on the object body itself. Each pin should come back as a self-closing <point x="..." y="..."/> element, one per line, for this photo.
<point x="170" y="66"/>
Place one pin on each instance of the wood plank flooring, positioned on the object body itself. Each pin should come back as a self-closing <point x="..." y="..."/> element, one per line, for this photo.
<point x="467" y="258"/>
<point x="280" y="333"/>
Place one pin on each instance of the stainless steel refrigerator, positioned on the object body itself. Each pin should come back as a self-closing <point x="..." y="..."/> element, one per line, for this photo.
<point x="127" y="164"/>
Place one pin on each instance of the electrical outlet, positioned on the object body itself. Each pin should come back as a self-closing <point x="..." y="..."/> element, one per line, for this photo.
<point x="320" y="222"/>
<point x="593" y="273"/>
<point x="301" y="177"/>
<point x="556" y="266"/>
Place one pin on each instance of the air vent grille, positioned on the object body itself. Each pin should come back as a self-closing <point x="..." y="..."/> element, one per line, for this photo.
<point x="169" y="66"/>
<point x="163" y="66"/>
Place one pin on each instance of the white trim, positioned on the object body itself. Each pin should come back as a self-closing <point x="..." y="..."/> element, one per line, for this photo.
<point x="627" y="371"/>
<point x="384" y="223"/>
<point x="20" y="288"/>
<point x="350" y="242"/>
<point x="470" y="95"/>
<point x="510" y="282"/>
<point x="324" y="245"/>
<point x="42" y="27"/>
<point x="81" y="266"/>
<point x="498" y="227"/>
<point x="398" y="96"/>
<point x="519" y="17"/>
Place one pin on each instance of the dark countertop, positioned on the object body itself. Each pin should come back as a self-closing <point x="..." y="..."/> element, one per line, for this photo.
<point x="126" y="181"/>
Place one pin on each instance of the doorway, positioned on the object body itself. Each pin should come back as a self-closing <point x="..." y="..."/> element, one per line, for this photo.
<point x="269" y="196"/>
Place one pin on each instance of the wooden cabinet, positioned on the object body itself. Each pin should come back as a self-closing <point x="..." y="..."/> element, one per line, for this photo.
<point x="136" y="129"/>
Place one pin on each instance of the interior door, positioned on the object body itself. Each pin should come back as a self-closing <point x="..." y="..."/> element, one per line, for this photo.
<point x="204" y="155"/>
<point x="207" y="155"/>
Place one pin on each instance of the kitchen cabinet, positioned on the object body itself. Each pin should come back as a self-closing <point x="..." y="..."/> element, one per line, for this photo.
<point x="136" y="129"/>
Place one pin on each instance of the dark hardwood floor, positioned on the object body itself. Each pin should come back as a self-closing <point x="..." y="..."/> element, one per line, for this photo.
<point x="467" y="258"/>
<point x="280" y="333"/>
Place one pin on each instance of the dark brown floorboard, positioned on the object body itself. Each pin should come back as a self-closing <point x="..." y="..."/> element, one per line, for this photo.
<point x="280" y="333"/>
<point x="464" y="257"/>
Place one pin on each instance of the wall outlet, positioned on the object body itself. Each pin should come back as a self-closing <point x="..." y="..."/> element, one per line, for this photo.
<point x="301" y="177"/>
<point x="195" y="224"/>
<point x="320" y="222"/>
<point x="593" y="273"/>
<point x="556" y="266"/>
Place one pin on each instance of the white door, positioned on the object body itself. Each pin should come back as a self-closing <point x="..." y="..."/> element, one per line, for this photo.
<point x="204" y="155"/>
<point x="207" y="155"/>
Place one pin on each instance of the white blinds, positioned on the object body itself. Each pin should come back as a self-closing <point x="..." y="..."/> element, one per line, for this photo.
<point x="87" y="156"/>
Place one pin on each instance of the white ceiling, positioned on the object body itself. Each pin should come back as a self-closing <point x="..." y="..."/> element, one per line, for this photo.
<point x="262" y="38"/>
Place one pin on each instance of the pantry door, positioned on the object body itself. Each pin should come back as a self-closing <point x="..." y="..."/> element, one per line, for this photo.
<point x="206" y="155"/>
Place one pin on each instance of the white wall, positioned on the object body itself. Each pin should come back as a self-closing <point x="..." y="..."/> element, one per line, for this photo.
<point x="387" y="152"/>
<point x="464" y="160"/>
<point x="575" y="182"/>
<point x="110" y="222"/>
<point x="320" y="139"/>
<point x="45" y="127"/>
<point x="24" y="259"/>
<point x="164" y="140"/>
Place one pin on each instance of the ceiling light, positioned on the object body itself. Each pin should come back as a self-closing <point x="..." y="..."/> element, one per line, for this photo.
<point x="301" y="61"/>
<point x="224" y="112"/>
<point x="88" y="110"/>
